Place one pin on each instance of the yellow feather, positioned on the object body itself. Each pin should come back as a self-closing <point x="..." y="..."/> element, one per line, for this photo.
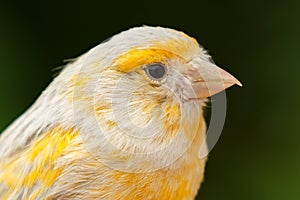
<point x="153" y="153"/>
<point x="138" y="57"/>
<point x="35" y="165"/>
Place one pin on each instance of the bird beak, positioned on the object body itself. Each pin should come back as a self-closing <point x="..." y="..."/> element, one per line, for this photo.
<point x="208" y="79"/>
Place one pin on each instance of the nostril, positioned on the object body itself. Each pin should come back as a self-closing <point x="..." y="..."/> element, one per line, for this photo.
<point x="193" y="74"/>
<point x="198" y="80"/>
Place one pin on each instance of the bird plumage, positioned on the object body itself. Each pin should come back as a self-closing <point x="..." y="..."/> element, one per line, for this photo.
<point x="106" y="129"/>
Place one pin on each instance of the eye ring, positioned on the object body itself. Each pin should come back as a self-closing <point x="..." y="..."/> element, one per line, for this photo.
<point x="156" y="71"/>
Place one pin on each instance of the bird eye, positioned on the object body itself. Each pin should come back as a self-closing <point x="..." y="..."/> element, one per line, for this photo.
<point x="155" y="71"/>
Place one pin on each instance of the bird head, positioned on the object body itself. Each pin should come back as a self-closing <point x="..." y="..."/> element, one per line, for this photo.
<point x="142" y="92"/>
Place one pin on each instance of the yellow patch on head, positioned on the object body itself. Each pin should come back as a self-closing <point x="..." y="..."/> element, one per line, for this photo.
<point x="138" y="57"/>
<point x="183" y="47"/>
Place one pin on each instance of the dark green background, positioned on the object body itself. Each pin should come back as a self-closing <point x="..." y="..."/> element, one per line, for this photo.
<point x="258" y="154"/>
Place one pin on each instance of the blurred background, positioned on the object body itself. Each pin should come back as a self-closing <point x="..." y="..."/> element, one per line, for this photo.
<point x="258" y="154"/>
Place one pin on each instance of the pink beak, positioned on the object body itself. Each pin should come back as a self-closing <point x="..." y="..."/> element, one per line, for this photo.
<point x="208" y="79"/>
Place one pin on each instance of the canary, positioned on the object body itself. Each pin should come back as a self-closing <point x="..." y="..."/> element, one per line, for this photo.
<point x="123" y="121"/>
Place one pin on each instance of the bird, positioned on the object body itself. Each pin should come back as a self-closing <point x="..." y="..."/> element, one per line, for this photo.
<point x="122" y="121"/>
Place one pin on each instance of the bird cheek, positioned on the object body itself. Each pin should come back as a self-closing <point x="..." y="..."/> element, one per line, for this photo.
<point x="172" y="118"/>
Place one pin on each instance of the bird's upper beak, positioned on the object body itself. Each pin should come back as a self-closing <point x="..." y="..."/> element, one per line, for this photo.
<point x="208" y="79"/>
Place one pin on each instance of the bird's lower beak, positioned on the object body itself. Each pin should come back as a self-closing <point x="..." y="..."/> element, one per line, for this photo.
<point x="208" y="79"/>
